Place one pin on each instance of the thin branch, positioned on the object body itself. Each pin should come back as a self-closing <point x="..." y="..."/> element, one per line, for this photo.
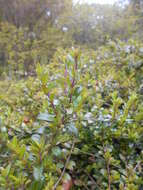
<point x="52" y="104"/>
<point x="65" y="76"/>
<point x="66" y="164"/>
<point x="74" y="78"/>
<point x="138" y="164"/>
<point x="109" y="178"/>
<point x="108" y="169"/>
<point x="93" y="181"/>
<point x="85" y="186"/>
<point x="87" y="153"/>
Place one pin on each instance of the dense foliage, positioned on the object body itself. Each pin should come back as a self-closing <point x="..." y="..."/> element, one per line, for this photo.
<point x="78" y="124"/>
<point x="31" y="31"/>
<point x="71" y="95"/>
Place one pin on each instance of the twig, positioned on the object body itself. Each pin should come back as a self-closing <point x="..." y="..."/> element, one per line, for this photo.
<point x="74" y="78"/>
<point x="66" y="164"/>
<point x="65" y="76"/>
<point x="138" y="164"/>
<point x="87" y="153"/>
<point x="93" y="181"/>
<point x="108" y="169"/>
<point x="85" y="186"/>
<point x="108" y="172"/>
<point x="52" y="104"/>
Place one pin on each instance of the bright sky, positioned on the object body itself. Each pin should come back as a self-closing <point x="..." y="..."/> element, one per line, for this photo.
<point x="97" y="1"/>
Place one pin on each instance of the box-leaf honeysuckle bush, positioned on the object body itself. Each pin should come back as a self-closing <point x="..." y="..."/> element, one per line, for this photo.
<point x="78" y="126"/>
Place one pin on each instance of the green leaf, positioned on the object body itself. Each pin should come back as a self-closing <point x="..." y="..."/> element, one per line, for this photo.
<point x="71" y="165"/>
<point x="46" y="117"/>
<point x="72" y="129"/>
<point x="56" y="151"/>
<point x="66" y="177"/>
<point x="6" y="171"/>
<point x="38" y="173"/>
<point x="36" y="138"/>
<point x="70" y="58"/>
<point x="36" y="185"/>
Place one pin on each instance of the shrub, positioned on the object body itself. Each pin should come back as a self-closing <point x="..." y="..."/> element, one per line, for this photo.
<point x="86" y="131"/>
